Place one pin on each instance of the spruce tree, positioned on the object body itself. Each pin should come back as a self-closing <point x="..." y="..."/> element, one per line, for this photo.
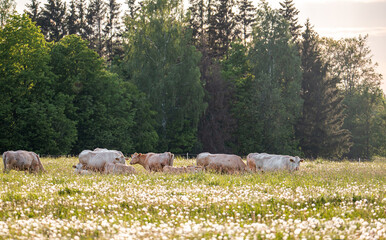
<point x="72" y="19"/>
<point x="290" y="13"/>
<point x="197" y="21"/>
<point x="320" y="128"/>
<point x="95" y="19"/>
<point x="52" y="20"/>
<point x="222" y="24"/>
<point x="111" y="28"/>
<point x="245" y="18"/>
<point x="33" y="10"/>
<point x="82" y="24"/>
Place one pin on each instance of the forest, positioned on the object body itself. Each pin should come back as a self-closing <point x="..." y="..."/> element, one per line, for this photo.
<point x="223" y="76"/>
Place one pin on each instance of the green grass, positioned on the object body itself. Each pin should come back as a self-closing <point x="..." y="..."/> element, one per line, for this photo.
<point x="341" y="200"/>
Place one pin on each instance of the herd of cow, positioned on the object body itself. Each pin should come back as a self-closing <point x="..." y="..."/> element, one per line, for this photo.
<point x="114" y="162"/>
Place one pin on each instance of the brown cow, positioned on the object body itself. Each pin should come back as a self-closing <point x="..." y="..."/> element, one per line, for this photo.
<point x="153" y="161"/>
<point x="22" y="161"/>
<point x="223" y="163"/>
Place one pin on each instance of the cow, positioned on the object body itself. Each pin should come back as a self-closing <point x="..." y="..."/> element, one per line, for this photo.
<point x="23" y="161"/>
<point x="78" y="170"/>
<point x="176" y="170"/>
<point x="194" y="169"/>
<point x="118" y="168"/>
<point x="223" y="163"/>
<point x="96" y="160"/>
<point x="270" y="162"/>
<point x="153" y="161"/>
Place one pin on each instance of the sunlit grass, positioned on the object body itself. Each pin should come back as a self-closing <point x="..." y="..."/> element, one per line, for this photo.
<point x="335" y="199"/>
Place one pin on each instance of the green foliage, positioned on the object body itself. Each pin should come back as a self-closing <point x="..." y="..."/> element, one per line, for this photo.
<point x="350" y="62"/>
<point x="32" y="117"/>
<point x="163" y="65"/>
<point x="100" y="103"/>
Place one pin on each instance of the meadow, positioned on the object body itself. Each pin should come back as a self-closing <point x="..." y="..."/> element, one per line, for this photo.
<point x="323" y="200"/>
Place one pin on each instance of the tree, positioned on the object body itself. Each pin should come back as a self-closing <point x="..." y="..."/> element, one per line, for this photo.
<point x="164" y="65"/>
<point x="95" y="19"/>
<point x="197" y="21"/>
<point x="82" y="14"/>
<point x="360" y="83"/>
<point x="32" y="114"/>
<point x="221" y="27"/>
<point x="320" y="129"/>
<point x="99" y="101"/>
<point x="276" y="67"/>
<point x="237" y="70"/>
<point x="52" y="20"/>
<point x="33" y="8"/>
<point x="245" y="18"/>
<point x="290" y="13"/>
<point x="111" y="28"/>
<point x="72" y="19"/>
<point x="7" y="8"/>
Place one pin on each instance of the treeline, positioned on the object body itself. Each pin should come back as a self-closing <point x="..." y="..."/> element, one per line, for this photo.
<point x="220" y="76"/>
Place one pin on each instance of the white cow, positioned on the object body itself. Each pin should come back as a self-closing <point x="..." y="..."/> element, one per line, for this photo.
<point x="96" y="160"/>
<point x="270" y="162"/>
<point x="22" y="160"/>
<point x="78" y="170"/>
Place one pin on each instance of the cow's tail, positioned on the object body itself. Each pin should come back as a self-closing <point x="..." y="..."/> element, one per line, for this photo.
<point x="171" y="159"/>
<point x="5" y="161"/>
<point x="40" y="164"/>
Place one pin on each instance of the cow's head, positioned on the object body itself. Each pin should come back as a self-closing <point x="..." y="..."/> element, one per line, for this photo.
<point x="135" y="158"/>
<point x="78" y="166"/>
<point x="121" y="159"/>
<point x="295" y="163"/>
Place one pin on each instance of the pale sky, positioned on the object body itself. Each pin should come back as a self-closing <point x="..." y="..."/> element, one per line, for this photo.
<point x="336" y="19"/>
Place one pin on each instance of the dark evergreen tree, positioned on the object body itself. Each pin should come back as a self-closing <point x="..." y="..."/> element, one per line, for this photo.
<point x="290" y="13"/>
<point x="320" y="128"/>
<point x="95" y="19"/>
<point x="221" y="27"/>
<point x="33" y="10"/>
<point x="52" y="20"/>
<point x="197" y="21"/>
<point x="245" y="18"/>
<point x="72" y="19"/>
<point x="82" y="21"/>
<point x="112" y="28"/>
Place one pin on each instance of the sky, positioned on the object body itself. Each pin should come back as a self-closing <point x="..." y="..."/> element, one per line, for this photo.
<point x="337" y="19"/>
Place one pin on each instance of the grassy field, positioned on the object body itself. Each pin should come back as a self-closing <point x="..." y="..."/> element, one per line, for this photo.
<point x="323" y="200"/>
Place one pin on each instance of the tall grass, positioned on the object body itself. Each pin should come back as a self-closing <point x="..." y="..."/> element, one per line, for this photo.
<point x="339" y="200"/>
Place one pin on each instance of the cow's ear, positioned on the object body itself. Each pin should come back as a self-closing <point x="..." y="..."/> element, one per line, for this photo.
<point x="292" y="160"/>
<point x="301" y="160"/>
